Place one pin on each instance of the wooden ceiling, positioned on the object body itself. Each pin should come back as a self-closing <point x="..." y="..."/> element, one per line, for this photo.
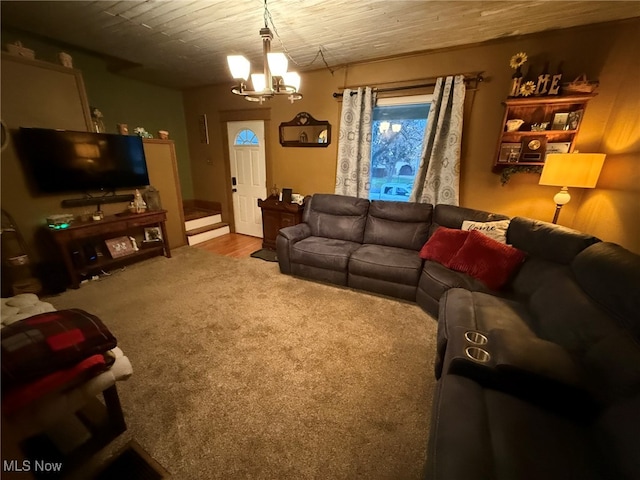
<point x="184" y="43"/>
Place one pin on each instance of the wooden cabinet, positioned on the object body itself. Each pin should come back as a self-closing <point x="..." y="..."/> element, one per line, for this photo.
<point x="277" y="215"/>
<point x="163" y="175"/>
<point x="80" y="238"/>
<point x="540" y="125"/>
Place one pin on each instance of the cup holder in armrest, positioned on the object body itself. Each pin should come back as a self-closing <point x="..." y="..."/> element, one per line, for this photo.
<point x="475" y="337"/>
<point x="526" y="366"/>
<point x="478" y="354"/>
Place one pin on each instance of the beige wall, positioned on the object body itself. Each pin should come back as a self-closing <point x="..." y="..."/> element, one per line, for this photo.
<point x="603" y="51"/>
<point x="121" y="99"/>
<point x="612" y="210"/>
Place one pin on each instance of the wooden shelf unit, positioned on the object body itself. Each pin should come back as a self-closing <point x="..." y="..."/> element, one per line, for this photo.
<point x="72" y="240"/>
<point x="538" y="110"/>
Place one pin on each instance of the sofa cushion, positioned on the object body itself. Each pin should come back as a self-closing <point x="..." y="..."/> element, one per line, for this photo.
<point x="534" y="273"/>
<point x="328" y="253"/>
<point x="610" y="275"/>
<point x="495" y="230"/>
<point x="437" y="279"/>
<point x="391" y="264"/>
<point x="443" y="245"/>
<point x="336" y="216"/>
<point x="397" y="224"/>
<point x="452" y="217"/>
<point x="491" y="262"/>
<point x="478" y="433"/>
<point x="547" y="241"/>
<point x="563" y="313"/>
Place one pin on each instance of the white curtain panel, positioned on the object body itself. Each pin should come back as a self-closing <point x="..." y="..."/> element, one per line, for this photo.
<point x="438" y="176"/>
<point x="354" y="143"/>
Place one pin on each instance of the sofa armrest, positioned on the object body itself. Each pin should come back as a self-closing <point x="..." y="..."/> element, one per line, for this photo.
<point x="286" y="238"/>
<point x="295" y="233"/>
<point x="531" y="368"/>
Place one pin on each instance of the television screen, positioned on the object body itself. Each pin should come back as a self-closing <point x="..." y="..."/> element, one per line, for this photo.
<point x="68" y="161"/>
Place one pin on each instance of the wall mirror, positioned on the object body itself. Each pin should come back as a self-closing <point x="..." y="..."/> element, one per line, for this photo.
<point x="305" y="131"/>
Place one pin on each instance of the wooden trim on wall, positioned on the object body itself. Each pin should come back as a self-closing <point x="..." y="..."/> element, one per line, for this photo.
<point x="245" y="115"/>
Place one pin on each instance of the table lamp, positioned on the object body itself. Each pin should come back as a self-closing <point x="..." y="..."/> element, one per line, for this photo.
<point x="570" y="170"/>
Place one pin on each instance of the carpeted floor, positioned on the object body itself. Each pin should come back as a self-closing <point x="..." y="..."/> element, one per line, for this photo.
<point x="242" y="372"/>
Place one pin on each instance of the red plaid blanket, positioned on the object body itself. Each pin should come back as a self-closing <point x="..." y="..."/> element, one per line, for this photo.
<point x="43" y="344"/>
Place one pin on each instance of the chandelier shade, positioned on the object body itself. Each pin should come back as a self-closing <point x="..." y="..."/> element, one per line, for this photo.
<point x="274" y="79"/>
<point x="278" y="63"/>
<point x="239" y="67"/>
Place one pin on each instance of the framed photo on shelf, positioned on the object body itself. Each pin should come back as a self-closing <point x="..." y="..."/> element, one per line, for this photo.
<point x="560" y="121"/>
<point x="509" y="152"/>
<point x="119" y="247"/>
<point x="152" y="234"/>
<point x="573" y="120"/>
<point x="558" y="147"/>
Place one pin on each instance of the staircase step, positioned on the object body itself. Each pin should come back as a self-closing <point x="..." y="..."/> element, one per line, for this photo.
<point x="202" y="222"/>
<point x="207" y="232"/>
<point x="195" y="213"/>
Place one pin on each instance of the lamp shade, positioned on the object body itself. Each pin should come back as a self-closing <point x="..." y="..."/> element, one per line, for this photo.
<point x="259" y="82"/>
<point x="278" y="63"/>
<point x="292" y="79"/>
<point x="572" y="169"/>
<point x="239" y="66"/>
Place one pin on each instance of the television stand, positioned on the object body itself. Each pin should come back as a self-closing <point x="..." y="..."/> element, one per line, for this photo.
<point x="81" y="237"/>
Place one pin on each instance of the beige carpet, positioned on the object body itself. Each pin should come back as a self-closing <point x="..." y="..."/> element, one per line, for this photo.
<point x="242" y="372"/>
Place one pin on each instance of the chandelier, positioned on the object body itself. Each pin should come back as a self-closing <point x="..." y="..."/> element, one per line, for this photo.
<point x="275" y="79"/>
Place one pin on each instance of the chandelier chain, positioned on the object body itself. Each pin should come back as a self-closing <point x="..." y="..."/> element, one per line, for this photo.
<point x="268" y="18"/>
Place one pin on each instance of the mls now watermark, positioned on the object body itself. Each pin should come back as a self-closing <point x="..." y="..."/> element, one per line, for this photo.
<point x="31" y="466"/>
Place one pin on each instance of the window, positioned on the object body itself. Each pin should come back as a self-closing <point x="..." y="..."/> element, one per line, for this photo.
<point x="396" y="145"/>
<point x="246" y="137"/>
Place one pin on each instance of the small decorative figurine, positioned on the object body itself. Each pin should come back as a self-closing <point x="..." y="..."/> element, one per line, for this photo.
<point x="139" y="204"/>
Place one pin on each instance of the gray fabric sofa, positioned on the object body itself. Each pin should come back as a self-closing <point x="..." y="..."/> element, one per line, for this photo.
<point x="348" y="241"/>
<point x="538" y="380"/>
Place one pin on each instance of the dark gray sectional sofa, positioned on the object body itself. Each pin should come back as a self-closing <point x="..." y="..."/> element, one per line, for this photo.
<point x="537" y="380"/>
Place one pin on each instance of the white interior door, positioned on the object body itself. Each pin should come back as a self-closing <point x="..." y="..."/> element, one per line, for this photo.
<point x="248" y="174"/>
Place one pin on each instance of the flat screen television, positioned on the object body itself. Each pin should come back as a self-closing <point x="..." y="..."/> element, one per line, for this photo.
<point x="64" y="161"/>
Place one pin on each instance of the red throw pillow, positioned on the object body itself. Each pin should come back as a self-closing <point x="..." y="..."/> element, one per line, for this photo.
<point x="443" y="245"/>
<point x="487" y="260"/>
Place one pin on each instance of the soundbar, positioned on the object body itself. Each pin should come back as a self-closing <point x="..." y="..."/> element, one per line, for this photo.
<point x="83" y="202"/>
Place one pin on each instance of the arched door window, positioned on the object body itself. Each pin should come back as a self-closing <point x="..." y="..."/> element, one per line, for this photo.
<point x="246" y="137"/>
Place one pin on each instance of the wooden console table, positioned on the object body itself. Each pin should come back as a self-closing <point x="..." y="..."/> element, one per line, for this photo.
<point x="74" y="240"/>
<point x="277" y="215"/>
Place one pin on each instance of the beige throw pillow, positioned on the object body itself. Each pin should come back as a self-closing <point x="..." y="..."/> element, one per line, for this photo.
<point x="495" y="230"/>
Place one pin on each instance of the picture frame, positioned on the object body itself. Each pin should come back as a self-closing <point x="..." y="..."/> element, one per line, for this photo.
<point x="153" y="234"/>
<point x="558" y="147"/>
<point x="286" y="195"/>
<point x="119" y="247"/>
<point x="509" y="152"/>
<point x="560" y="121"/>
<point x="574" y="119"/>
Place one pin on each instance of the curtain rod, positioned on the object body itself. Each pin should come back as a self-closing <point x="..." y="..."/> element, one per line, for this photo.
<point x="476" y="77"/>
